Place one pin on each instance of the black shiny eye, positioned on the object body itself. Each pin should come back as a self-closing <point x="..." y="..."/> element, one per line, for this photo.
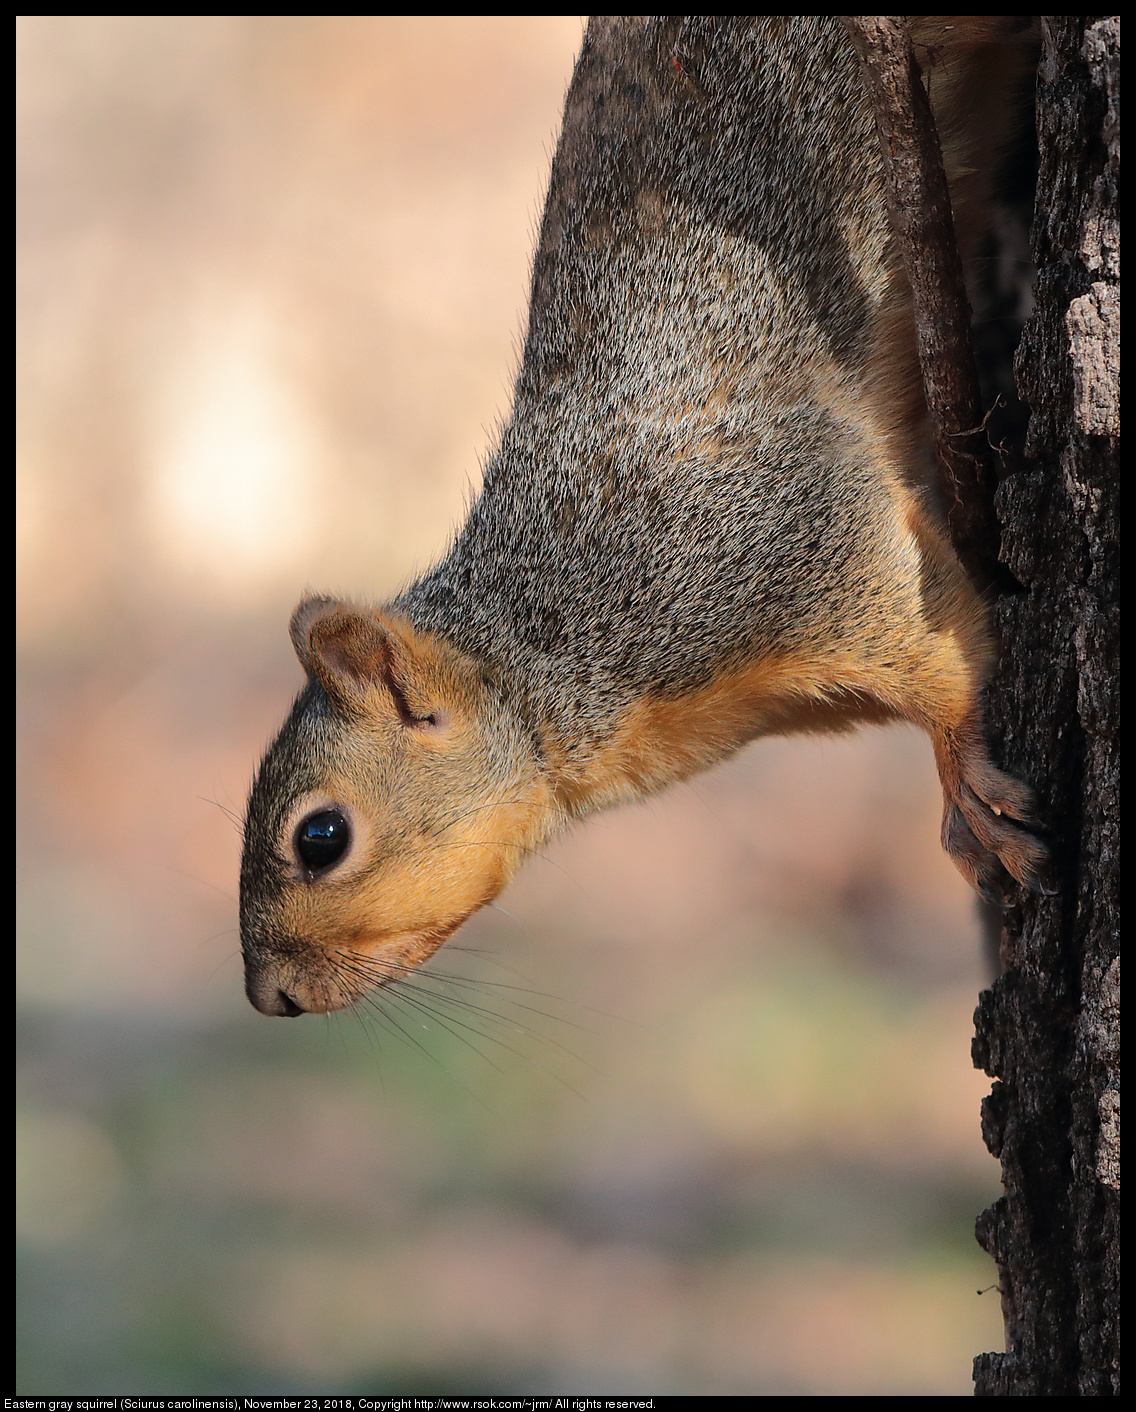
<point x="322" y="839"/>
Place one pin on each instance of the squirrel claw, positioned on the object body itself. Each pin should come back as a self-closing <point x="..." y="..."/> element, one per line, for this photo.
<point x="991" y="848"/>
<point x="989" y="818"/>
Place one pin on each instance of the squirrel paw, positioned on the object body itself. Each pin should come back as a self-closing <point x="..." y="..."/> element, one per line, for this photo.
<point x="988" y="822"/>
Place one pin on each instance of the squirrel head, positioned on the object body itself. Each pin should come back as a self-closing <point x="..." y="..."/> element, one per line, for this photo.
<point x="397" y="799"/>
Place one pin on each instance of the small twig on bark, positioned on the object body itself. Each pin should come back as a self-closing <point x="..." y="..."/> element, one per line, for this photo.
<point x="920" y="209"/>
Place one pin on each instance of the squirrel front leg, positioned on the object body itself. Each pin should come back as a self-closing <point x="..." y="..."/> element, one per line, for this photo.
<point x="989" y="818"/>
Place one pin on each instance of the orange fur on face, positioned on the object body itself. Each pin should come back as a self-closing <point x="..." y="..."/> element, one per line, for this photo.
<point x="401" y="891"/>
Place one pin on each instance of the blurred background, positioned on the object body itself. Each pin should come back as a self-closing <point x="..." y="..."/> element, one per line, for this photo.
<point x="693" y="1109"/>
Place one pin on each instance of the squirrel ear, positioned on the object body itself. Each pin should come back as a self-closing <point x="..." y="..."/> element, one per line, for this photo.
<point x="300" y="627"/>
<point x="351" y="653"/>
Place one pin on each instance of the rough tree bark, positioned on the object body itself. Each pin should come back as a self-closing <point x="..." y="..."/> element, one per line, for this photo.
<point x="1048" y="1028"/>
<point x="919" y="206"/>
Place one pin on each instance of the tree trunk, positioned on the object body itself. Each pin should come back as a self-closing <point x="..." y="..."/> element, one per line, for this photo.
<point x="1048" y="1028"/>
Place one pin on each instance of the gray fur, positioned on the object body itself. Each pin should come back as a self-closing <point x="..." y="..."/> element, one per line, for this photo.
<point x="668" y="498"/>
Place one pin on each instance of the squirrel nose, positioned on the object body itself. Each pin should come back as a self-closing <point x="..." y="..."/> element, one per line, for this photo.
<point x="276" y="1002"/>
<point x="269" y="997"/>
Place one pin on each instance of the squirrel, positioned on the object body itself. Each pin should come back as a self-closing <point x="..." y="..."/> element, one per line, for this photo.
<point x="712" y="514"/>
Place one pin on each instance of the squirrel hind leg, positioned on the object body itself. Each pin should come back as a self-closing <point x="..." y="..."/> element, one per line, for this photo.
<point x="989" y="818"/>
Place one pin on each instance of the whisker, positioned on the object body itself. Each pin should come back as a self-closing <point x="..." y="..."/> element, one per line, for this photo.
<point x="456" y="818"/>
<point x="492" y="1014"/>
<point x="531" y="851"/>
<point x="332" y="1026"/>
<point x="426" y="1001"/>
<point x="399" y="986"/>
<point x="192" y="877"/>
<point x="521" y="1029"/>
<point x="372" y="1045"/>
<point x="224" y="961"/>
<point x="526" y="849"/>
<point x="414" y="1003"/>
<point x="234" y="818"/>
<point x="452" y="979"/>
<point x="428" y="969"/>
<point x="373" y="1004"/>
<point x="384" y="1015"/>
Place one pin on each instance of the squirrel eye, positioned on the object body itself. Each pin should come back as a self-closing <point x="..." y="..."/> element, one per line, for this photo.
<point x="322" y="839"/>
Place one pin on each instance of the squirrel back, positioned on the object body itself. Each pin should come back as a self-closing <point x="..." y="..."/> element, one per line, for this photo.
<point x="712" y="514"/>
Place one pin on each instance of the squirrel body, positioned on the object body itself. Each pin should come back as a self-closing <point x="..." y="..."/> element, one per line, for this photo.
<point x="712" y="514"/>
